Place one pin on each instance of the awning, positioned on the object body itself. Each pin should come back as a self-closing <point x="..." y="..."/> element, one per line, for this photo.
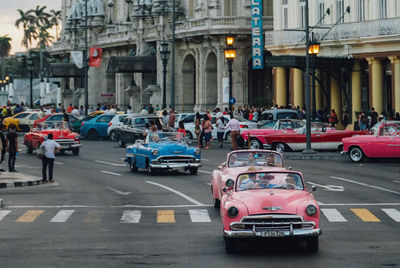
<point x="300" y="62"/>
<point x="63" y="70"/>
<point x="132" y="64"/>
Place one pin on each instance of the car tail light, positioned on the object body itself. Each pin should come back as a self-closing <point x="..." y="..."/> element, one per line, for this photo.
<point x="109" y="124"/>
<point x="82" y="123"/>
<point x="243" y="126"/>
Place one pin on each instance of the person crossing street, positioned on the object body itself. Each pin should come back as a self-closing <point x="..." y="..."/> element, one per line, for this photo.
<point x="50" y="148"/>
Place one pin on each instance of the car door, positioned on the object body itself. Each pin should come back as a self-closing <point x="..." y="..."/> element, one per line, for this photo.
<point x="102" y="124"/>
<point x="387" y="142"/>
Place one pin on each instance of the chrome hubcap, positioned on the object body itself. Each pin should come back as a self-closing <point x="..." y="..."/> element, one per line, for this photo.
<point x="355" y="154"/>
<point x="254" y="144"/>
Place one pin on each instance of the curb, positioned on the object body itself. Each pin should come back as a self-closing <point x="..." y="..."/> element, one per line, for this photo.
<point x="20" y="183"/>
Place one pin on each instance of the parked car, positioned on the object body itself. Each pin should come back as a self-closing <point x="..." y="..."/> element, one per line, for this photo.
<point x="279" y="114"/>
<point x="62" y="134"/>
<point x="96" y="127"/>
<point x="163" y="151"/>
<point x="56" y="117"/>
<point x="23" y="121"/>
<point x="76" y="126"/>
<point x="271" y="204"/>
<point x="133" y="127"/>
<point x="240" y="161"/>
<point x="255" y="138"/>
<point x="383" y="143"/>
<point x="375" y="127"/>
<point x="322" y="138"/>
<point x="117" y="121"/>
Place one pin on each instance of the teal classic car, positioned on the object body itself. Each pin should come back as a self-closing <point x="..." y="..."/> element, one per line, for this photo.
<point x="163" y="151"/>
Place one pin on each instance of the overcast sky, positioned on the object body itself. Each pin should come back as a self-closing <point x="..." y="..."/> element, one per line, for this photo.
<point x="9" y="14"/>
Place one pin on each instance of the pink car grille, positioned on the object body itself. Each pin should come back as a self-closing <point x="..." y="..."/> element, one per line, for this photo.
<point x="272" y="222"/>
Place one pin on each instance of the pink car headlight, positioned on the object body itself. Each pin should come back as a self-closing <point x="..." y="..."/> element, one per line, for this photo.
<point x="311" y="210"/>
<point x="233" y="212"/>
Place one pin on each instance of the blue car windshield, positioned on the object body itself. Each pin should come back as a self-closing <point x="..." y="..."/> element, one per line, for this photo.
<point x="165" y="137"/>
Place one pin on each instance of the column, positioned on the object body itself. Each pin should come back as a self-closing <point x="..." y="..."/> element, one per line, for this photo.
<point x="376" y="68"/>
<point x="396" y="76"/>
<point x="298" y="88"/>
<point x="281" y="86"/>
<point x="318" y="91"/>
<point x="336" y="100"/>
<point x="356" y="97"/>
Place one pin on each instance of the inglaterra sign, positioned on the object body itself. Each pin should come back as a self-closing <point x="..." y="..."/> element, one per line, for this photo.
<point x="257" y="34"/>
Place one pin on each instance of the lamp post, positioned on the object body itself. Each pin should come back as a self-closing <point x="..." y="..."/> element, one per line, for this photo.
<point x="164" y="53"/>
<point x="313" y="50"/>
<point x="110" y="5"/>
<point x="230" y="54"/>
<point x="30" y="69"/>
<point x="129" y="3"/>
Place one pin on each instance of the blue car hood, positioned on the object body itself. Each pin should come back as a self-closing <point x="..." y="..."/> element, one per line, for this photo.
<point x="171" y="148"/>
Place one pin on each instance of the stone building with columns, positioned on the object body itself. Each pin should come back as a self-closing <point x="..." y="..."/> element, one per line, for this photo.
<point x="131" y="71"/>
<point x="358" y="65"/>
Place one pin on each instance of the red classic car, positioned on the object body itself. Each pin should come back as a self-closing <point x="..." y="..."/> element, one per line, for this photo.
<point x="68" y="140"/>
<point x="322" y="138"/>
<point x="242" y="161"/>
<point x="255" y="138"/>
<point x="269" y="204"/>
<point x="384" y="143"/>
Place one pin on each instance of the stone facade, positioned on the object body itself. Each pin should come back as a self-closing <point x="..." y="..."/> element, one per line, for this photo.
<point x="134" y="29"/>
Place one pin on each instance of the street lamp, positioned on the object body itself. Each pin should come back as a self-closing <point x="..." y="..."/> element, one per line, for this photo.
<point x="110" y="5"/>
<point x="164" y="53"/>
<point x="30" y="69"/>
<point x="313" y="50"/>
<point x="129" y="3"/>
<point x="230" y="54"/>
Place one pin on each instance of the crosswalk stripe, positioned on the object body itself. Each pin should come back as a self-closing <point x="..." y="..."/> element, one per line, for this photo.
<point x="165" y="216"/>
<point x="131" y="216"/>
<point x="62" y="216"/>
<point x="199" y="215"/>
<point x="93" y="216"/>
<point x="392" y="213"/>
<point x="4" y="213"/>
<point x="30" y="216"/>
<point x="333" y="215"/>
<point x="365" y="215"/>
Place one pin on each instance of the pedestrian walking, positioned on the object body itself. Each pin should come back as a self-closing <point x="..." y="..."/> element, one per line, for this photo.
<point x="207" y="126"/>
<point x="172" y="118"/>
<point x="3" y="145"/>
<point x="181" y="128"/>
<point x="234" y="125"/>
<point x="197" y="128"/>
<point x="12" y="147"/>
<point x="220" y="129"/>
<point x="50" y="148"/>
<point x="333" y="119"/>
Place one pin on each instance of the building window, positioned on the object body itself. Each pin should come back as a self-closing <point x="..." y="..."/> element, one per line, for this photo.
<point x="191" y="9"/>
<point x="285" y="13"/>
<point x="231" y="8"/>
<point x="361" y="10"/>
<point x="268" y="8"/>
<point x="321" y="12"/>
<point x="340" y="11"/>
<point x="382" y="9"/>
<point x="303" y="13"/>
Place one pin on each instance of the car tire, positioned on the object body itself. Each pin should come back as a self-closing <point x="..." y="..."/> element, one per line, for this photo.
<point x="356" y="154"/>
<point x="93" y="134"/>
<point x="313" y="244"/>
<point x="132" y="166"/>
<point x="62" y="151"/>
<point x="255" y="144"/>
<point x="217" y="202"/>
<point x="193" y="171"/>
<point x="280" y="147"/>
<point x="228" y="136"/>
<point x="189" y="135"/>
<point x="150" y="171"/>
<point x="75" y="151"/>
<point x="230" y="245"/>
<point x="240" y="142"/>
<point x="113" y="136"/>
<point x="121" y="143"/>
<point x="29" y="149"/>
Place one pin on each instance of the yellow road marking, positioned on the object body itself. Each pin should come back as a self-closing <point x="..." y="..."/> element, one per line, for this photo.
<point x="165" y="216"/>
<point x="365" y="215"/>
<point x="93" y="216"/>
<point x="30" y="216"/>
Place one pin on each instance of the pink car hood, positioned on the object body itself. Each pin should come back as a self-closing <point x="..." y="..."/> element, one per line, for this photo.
<point x="287" y="200"/>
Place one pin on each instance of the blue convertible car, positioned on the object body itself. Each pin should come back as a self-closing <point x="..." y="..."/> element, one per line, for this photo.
<point x="163" y="151"/>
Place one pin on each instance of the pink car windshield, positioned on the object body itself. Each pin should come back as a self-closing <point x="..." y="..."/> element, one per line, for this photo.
<point x="242" y="159"/>
<point x="269" y="180"/>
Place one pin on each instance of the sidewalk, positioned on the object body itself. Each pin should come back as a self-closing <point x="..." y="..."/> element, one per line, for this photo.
<point x="15" y="179"/>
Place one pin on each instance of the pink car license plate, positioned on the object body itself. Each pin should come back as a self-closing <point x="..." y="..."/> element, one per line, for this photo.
<point x="272" y="234"/>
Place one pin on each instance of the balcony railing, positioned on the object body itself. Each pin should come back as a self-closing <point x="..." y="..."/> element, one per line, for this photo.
<point x="344" y="31"/>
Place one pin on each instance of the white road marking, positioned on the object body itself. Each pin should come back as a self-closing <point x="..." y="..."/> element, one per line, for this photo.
<point x="366" y="185"/>
<point x="58" y="163"/>
<point x="207" y="172"/>
<point x="329" y="187"/>
<point x="208" y="183"/>
<point x="62" y="216"/>
<point x="112" y="173"/>
<point x="199" y="215"/>
<point x="333" y="215"/>
<point x="109" y="163"/>
<point x="118" y="192"/>
<point x="397" y="181"/>
<point x="207" y="160"/>
<point x="26" y="166"/>
<point x="4" y="213"/>
<point x="392" y="213"/>
<point x="131" y="216"/>
<point x="177" y="192"/>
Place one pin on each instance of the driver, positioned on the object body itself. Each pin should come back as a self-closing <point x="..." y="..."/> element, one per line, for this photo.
<point x="251" y="158"/>
<point x="155" y="138"/>
<point x="291" y="181"/>
<point x="265" y="180"/>
<point x="271" y="160"/>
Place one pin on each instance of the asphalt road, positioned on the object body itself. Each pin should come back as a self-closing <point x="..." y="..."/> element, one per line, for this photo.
<point x="99" y="214"/>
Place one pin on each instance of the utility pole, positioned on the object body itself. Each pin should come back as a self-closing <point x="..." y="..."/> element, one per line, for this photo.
<point x="85" y="61"/>
<point x="173" y="58"/>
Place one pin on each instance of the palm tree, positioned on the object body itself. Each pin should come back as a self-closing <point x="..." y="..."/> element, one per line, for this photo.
<point x="45" y="38"/>
<point x="55" y="19"/>
<point x="27" y="20"/>
<point x="5" y="47"/>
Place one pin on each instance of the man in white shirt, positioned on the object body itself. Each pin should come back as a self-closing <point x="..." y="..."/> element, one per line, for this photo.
<point x="234" y="125"/>
<point x="50" y="148"/>
<point x="75" y="111"/>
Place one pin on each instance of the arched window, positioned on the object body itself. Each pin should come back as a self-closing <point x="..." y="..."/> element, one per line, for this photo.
<point x="231" y="7"/>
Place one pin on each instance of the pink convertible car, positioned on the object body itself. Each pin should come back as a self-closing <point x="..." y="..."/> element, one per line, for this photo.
<point x="241" y="161"/>
<point x="269" y="204"/>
